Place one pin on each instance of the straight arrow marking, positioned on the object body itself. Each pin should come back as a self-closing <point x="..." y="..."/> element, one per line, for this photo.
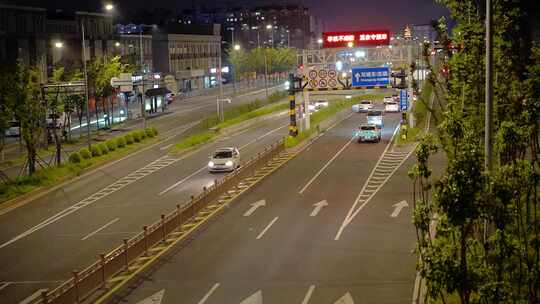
<point x="318" y="207"/>
<point x="398" y="207"/>
<point x="255" y="298"/>
<point x="154" y="299"/>
<point x="254" y="207"/>
<point x="346" y="299"/>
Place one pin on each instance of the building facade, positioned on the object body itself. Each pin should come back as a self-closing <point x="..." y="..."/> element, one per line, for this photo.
<point x="41" y="37"/>
<point x="288" y="25"/>
<point x="191" y="55"/>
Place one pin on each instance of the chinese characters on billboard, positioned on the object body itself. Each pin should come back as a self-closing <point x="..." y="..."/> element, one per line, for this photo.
<point x="359" y="38"/>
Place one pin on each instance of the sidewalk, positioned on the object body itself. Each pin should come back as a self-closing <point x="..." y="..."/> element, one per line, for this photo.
<point x="14" y="152"/>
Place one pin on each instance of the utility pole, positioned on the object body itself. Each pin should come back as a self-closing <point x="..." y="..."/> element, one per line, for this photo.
<point x="85" y="85"/>
<point x="266" y="74"/>
<point x="143" y="99"/>
<point x="489" y="89"/>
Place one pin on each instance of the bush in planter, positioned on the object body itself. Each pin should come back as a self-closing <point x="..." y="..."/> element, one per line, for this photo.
<point x="111" y="144"/>
<point x="154" y="130"/>
<point x="85" y="153"/>
<point x="142" y="134"/>
<point x="120" y="142"/>
<point x="149" y="132"/>
<point x="103" y="148"/>
<point x="129" y="139"/>
<point x="75" y="158"/>
<point x="136" y="136"/>
<point x="95" y="150"/>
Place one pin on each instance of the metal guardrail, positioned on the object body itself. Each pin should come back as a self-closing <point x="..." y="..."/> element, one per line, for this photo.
<point x="98" y="275"/>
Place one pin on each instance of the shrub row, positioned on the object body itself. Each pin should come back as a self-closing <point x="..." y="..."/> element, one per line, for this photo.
<point x="112" y="144"/>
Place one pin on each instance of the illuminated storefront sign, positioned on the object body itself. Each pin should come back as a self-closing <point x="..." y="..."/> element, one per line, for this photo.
<point x="360" y="38"/>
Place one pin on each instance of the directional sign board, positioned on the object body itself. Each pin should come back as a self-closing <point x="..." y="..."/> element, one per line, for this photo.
<point x="321" y="77"/>
<point x="370" y="77"/>
<point x="403" y="103"/>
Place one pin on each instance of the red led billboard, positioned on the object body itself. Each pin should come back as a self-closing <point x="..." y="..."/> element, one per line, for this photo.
<point x="357" y="38"/>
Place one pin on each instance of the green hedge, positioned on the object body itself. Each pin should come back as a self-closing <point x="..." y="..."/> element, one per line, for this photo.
<point x="136" y="136"/>
<point x="120" y="142"/>
<point x="103" y="148"/>
<point x="111" y="144"/>
<point x="95" y="150"/>
<point x="75" y="158"/>
<point x="129" y="139"/>
<point x="85" y="153"/>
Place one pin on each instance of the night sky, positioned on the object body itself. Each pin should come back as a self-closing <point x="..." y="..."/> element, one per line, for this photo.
<point x="336" y="14"/>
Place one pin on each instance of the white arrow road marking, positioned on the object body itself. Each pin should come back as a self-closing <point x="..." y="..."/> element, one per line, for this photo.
<point x="326" y="165"/>
<point x="154" y="299"/>
<point x="209" y="293"/>
<point x="346" y="299"/>
<point x="99" y="229"/>
<point x="318" y="207"/>
<point x="254" y="207"/>
<point x="398" y="208"/>
<point x="308" y="294"/>
<point x="267" y="227"/>
<point x="255" y="298"/>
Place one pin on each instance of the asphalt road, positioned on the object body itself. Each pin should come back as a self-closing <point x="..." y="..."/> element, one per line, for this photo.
<point x="43" y="241"/>
<point x="295" y="249"/>
<point x="179" y="114"/>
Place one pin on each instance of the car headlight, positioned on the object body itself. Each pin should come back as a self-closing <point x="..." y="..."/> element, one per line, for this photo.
<point x="229" y="163"/>
<point x="211" y="164"/>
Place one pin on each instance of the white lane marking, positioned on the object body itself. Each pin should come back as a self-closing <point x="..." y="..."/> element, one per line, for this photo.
<point x="353" y="211"/>
<point x="326" y="165"/>
<point x="205" y="167"/>
<point x="156" y="298"/>
<point x="416" y="289"/>
<point x="181" y="181"/>
<point x="308" y="294"/>
<point x="267" y="227"/>
<point x="255" y="298"/>
<point x="262" y="136"/>
<point x="165" y="147"/>
<point x="254" y="207"/>
<point x="209" y="293"/>
<point x="99" y="229"/>
<point x="4" y="285"/>
<point x="398" y="207"/>
<point x="119" y="184"/>
<point x="318" y="207"/>
<point x="32" y="297"/>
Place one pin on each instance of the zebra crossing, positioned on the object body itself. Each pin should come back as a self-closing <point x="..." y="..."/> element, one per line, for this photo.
<point x="119" y="184"/>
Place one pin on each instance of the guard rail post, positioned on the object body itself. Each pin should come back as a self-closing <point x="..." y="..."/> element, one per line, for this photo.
<point x="163" y="234"/>
<point x="76" y="284"/>
<point x="293" y="130"/>
<point x="179" y="217"/>
<point x="103" y="277"/>
<point x="126" y="260"/>
<point x="145" y="235"/>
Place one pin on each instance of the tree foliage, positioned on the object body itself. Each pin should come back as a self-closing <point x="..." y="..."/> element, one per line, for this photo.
<point x="277" y="60"/>
<point x="485" y="246"/>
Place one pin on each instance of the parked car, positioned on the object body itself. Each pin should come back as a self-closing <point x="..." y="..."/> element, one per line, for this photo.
<point x="388" y="99"/>
<point x="363" y="106"/>
<point x="14" y="129"/>
<point x="224" y="160"/>
<point x="375" y="117"/>
<point x="391" y="107"/>
<point x="369" y="132"/>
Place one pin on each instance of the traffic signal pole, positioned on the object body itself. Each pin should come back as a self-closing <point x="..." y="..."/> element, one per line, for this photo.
<point x="293" y="129"/>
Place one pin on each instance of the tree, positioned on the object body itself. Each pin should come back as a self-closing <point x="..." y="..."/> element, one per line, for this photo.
<point x="7" y="82"/>
<point x="277" y="60"/>
<point x="487" y="243"/>
<point x="30" y="110"/>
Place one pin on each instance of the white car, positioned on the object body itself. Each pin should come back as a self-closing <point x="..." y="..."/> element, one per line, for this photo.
<point x="387" y="99"/>
<point x="14" y="129"/>
<point x="224" y="160"/>
<point x="391" y="107"/>
<point x="363" y="106"/>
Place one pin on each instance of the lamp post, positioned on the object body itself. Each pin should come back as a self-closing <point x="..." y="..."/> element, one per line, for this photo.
<point x="271" y="28"/>
<point x="85" y="72"/>
<point x="320" y="42"/>
<point x="288" y="39"/>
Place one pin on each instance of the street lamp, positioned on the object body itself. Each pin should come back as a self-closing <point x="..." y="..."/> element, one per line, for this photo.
<point x="58" y="44"/>
<point x="237" y="47"/>
<point x="117" y="44"/>
<point x="109" y="7"/>
<point x="271" y="28"/>
<point x="350" y="44"/>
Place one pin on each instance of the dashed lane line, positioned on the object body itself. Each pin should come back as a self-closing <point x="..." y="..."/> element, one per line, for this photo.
<point x="209" y="293"/>
<point x="99" y="229"/>
<point x="308" y="294"/>
<point x="121" y="183"/>
<point x="267" y="227"/>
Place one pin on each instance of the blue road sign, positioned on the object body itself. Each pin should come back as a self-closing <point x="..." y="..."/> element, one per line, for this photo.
<point x="370" y="77"/>
<point x="403" y="103"/>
